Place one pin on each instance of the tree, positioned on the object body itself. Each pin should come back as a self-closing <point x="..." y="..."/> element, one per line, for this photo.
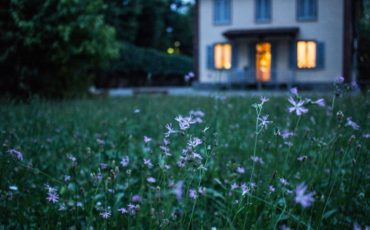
<point x="53" y="47"/>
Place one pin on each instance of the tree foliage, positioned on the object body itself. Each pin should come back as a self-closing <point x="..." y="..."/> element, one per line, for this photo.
<point x="52" y="47"/>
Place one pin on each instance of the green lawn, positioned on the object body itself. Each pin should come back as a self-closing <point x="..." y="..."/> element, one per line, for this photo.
<point x="75" y="147"/>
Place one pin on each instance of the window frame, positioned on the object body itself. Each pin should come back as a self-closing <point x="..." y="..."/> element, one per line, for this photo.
<point x="225" y="22"/>
<point x="296" y="54"/>
<point x="262" y="20"/>
<point x="313" y="18"/>
<point x="231" y="56"/>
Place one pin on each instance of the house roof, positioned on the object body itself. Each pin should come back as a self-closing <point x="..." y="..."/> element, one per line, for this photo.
<point x="243" y="33"/>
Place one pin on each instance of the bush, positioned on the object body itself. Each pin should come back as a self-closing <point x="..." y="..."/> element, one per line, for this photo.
<point x="137" y="66"/>
<point x="52" y="47"/>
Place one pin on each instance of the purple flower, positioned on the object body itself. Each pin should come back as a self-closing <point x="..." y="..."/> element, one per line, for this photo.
<point x="320" y="102"/>
<point x="177" y="189"/>
<point x="352" y="123"/>
<point x="240" y="170"/>
<point x="147" y="139"/>
<point x="136" y="110"/>
<point x="170" y="130"/>
<point x="67" y="178"/>
<point x="136" y="198"/>
<point x="264" y="100"/>
<point x="286" y="134"/>
<point x="294" y="91"/>
<point x="194" y="142"/>
<point x="193" y="194"/>
<point x="148" y="163"/>
<point x="284" y="227"/>
<point x="301" y="158"/>
<point x="257" y="159"/>
<point x="297" y="107"/>
<point x="52" y="197"/>
<point x="366" y="135"/>
<point x="122" y="210"/>
<point x="202" y="190"/>
<point x="354" y="84"/>
<point x="103" y="165"/>
<point x="339" y="79"/>
<point x="184" y="122"/>
<point x="263" y="121"/>
<point x="15" y="153"/>
<point x="245" y="189"/>
<point x="283" y="181"/>
<point x="271" y="188"/>
<point x="125" y="161"/>
<point x="151" y="180"/>
<point x="301" y="198"/>
<point x="105" y="214"/>
<point x="234" y="186"/>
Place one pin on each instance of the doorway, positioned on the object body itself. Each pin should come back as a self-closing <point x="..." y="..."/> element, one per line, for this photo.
<point x="263" y="61"/>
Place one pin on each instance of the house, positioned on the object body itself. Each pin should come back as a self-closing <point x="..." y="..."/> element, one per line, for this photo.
<point x="273" y="42"/>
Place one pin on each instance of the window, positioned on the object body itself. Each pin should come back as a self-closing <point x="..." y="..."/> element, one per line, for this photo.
<point x="306" y="54"/>
<point x="222" y="12"/>
<point x="263" y="10"/>
<point x="306" y="10"/>
<point x="222" y="56"/>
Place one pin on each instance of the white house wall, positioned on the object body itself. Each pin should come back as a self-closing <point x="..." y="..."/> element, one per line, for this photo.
<point x="328" y="29"/>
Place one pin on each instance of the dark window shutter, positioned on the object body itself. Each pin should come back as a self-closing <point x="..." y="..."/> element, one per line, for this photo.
<point x="216" y="10"/>
<point x="210" y="57"/>
<point x="292" y="55"/>
<point x="227" y="13"/>
<point x="252" y="55"/>
<point x="320" y="55"/>
<point x="234" y="58"/>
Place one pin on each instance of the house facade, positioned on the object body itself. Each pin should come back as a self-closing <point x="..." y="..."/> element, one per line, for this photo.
<point x="278" y="42"/>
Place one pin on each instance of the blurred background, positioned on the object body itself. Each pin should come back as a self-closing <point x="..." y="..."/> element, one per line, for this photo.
<point x="61" y="48"/>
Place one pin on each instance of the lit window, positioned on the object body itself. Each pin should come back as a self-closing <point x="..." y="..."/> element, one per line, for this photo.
<point x="306" y="54"/>
<point x="222" y="56"/>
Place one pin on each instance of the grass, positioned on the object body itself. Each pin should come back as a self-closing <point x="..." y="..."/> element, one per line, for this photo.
<point x="334" y="165"/>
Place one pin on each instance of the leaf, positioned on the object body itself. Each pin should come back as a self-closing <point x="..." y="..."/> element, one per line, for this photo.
<point x="329" y="213"/>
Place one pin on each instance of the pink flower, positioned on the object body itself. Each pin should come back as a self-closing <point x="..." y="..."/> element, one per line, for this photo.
<point x="283" y="181"/>
<point x="193" y="194"/>
<point x="194" y="142"/>
<point x="148" y="163"/>
<point x="297" y="107"/>
<point x="244" y="188"/>
<point x="151" y="180"/>
<point x="15" y="153"/>
<point x="264" y="100"/>
<point x="305" y="200"/>
<point x="263" y="122"/>
<point x="122" y="211"/>
<point x="240" y="170"/>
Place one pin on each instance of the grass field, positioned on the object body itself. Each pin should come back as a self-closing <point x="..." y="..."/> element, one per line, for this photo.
<point x="107" y="164"/>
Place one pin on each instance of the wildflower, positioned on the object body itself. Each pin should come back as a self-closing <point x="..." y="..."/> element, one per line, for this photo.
<point x="184" y="122"/>
<point x="301" y="198"/>
<point x="244" y="188"/>
<point x="297" y="107"/>
<point x="196" y="113"/>
<point x="53" y="196"/>
<point x="122" y="210"/>
<point x="15" y="153"/>
<point x="240" y="170"/>
<point x="320" y="102"/>
<point x="202" y="190"/>
<point x="136" y="198"/>
<point x="103" y="165"/>
<point x="165" y="150"/>
<point x="136" y="110"/>
<point x="125" y="161"/>
<point x="257" y="159"/>
<point x="178" y="189"/>
<point x="339" y="79"/>
<point x="234" y="186"/>
<point x="148" y="163"/>
<point x="105" y="214"/>
<point x="99" y="176"/>
<point x="354" y="84"/>
<point x="147" y="139"/>
<point x="351" y="123"/>
<point x="193" y="194"/>
<point x="72" y="158"/>
<point x="151" y="180"/>
<point x="170" y="130"/>
<point x="13" y="187"/>
<point x="286" y="134"/>
<point x="100" y="141"/>
<point x="79" y="204"/>
<point x="264" y="100"/>
<point x="366" y="135"/>
<point x="283" y="181"/>
<point x="62" y="207"/>
<point x="67" y="178"/>
<point x="263" y="122"/>
<point x="194" y="142"/>
<point x="284" y="227"/>
<point x="271" y="188"/>
<point x="301" y="158"/>
<point x="294" y="91"/>
<point x="166" y="141"/>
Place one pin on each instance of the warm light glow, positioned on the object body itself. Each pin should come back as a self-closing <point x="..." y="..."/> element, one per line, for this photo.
<point x="222" y="56"/>
<point x="263" y="61"/>
<point x="306" y="54"/>
<point x="170" y="50"/>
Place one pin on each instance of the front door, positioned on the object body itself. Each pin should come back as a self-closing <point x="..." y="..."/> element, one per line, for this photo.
<point x="263" y="61"/>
